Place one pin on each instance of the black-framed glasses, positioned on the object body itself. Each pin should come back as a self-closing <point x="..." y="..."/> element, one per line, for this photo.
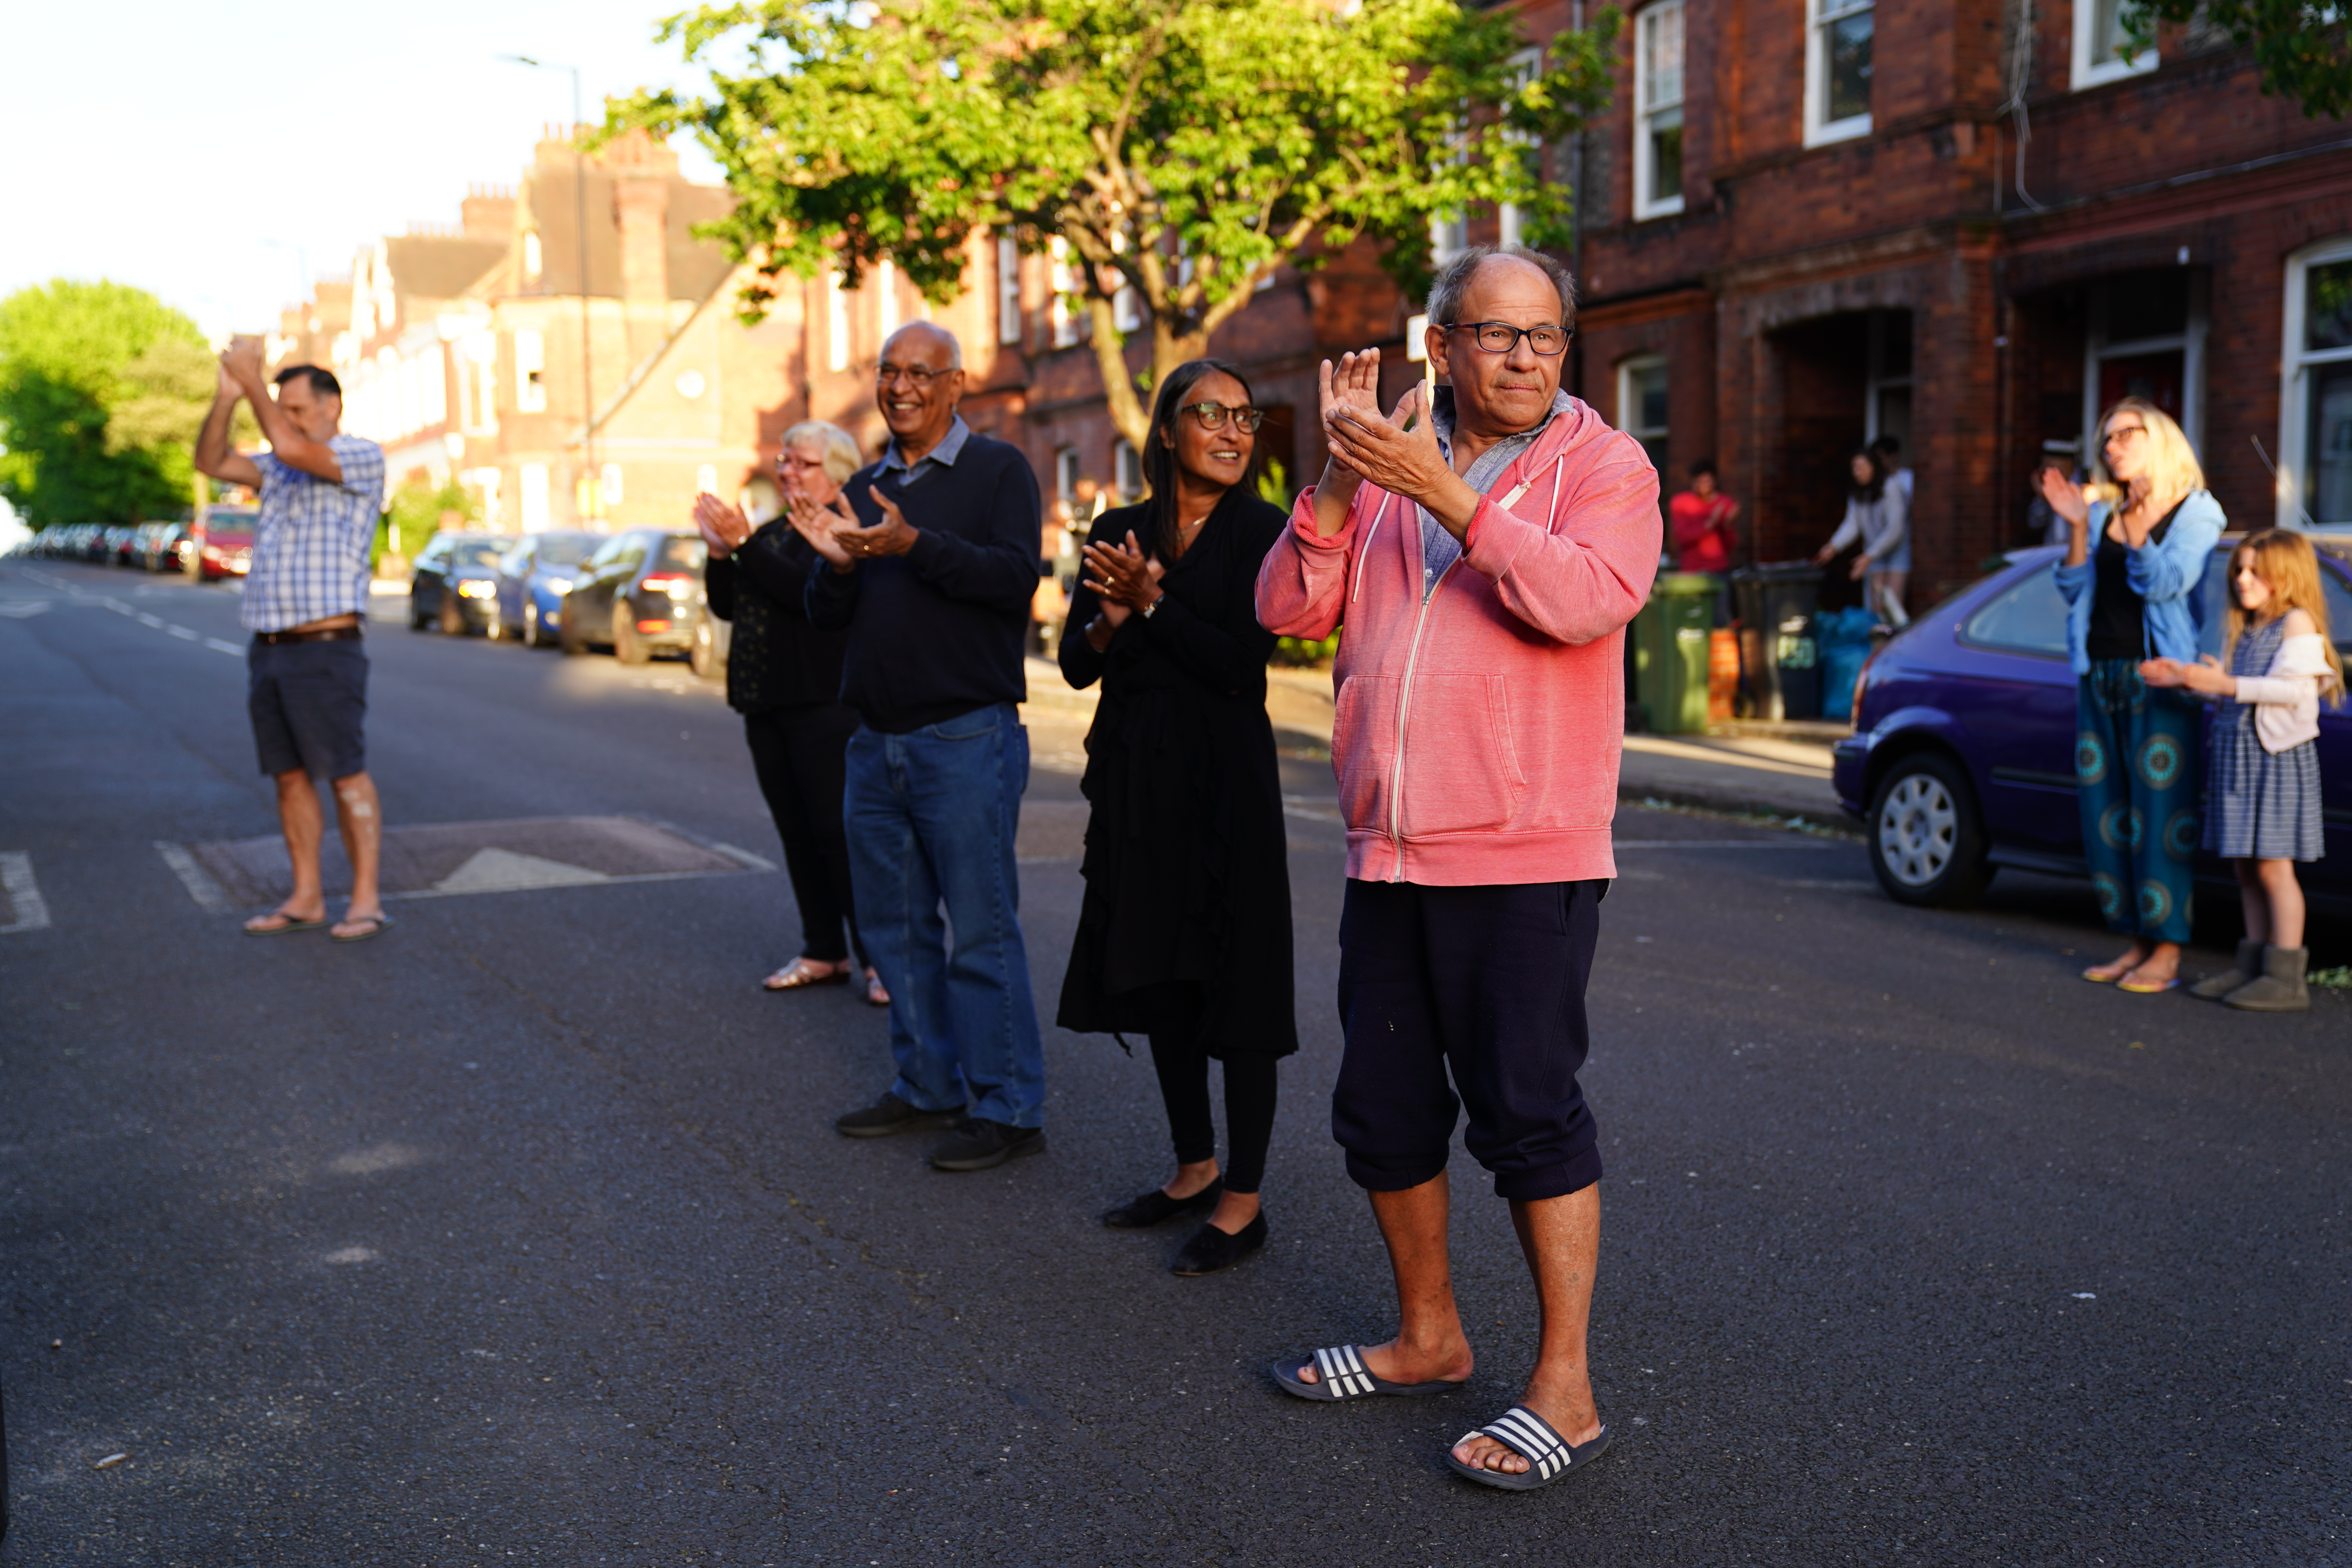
<point x="1502" y="337"/>
<point x="1213" y="415"/>
<point x="885" y="373"/>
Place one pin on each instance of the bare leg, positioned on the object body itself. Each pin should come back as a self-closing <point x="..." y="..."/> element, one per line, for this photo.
<point x="357" y="812"/>
<point x="2285" y="895"/>
<point x="1561" y="1239"/>
<point x="2253" y="902"/>
<point x="2162" y="962"/>
<point x="304" y="823"/>
<point x="1191" y="1178"/>
<point x="2136" y="954"/>
<point x="1430" y="1343"/>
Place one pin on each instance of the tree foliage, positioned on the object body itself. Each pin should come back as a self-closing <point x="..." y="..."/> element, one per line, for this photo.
<point x="2304" y="49"/>
<point x="101" y="389"/>
<point x="1182" y="149"/>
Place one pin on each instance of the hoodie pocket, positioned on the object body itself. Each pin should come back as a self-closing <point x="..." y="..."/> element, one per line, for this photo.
<point x="1363" y="748"/>
<point x="1461" y="771"/>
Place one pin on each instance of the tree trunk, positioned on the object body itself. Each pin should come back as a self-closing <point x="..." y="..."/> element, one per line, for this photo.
<point x="1130" y="406"/>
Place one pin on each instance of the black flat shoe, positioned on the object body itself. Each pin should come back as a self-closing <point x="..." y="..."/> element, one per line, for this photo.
<point x="1211" y="1250"/>
<point x="1155" y="1208"/>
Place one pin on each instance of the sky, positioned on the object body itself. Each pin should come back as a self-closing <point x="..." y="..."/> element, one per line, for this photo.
<point x="224" y="155"/>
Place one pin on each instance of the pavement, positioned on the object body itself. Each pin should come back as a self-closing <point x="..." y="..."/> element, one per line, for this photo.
<point x="519" y="1234"/>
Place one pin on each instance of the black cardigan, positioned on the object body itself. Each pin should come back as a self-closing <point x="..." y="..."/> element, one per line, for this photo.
<point x="1187" y="869"/>
<point x="777" y="658"/>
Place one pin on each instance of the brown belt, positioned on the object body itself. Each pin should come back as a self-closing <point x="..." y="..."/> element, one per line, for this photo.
<point x="324" y="634"/>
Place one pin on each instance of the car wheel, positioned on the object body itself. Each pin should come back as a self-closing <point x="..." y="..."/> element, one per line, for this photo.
<point x="567" y="635"/>
<point x="417" y="619"/>
<point x="627" y="646"/>
<point x="453" y="618"/>
<point x="1927" y="838"/>
<point x="703" y="656"/>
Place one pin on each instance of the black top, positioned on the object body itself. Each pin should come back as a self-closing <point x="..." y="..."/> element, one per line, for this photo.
<point x="777" y="658"/>
<point x="2119" y="615"/>
<point x="1187" y="869"/>
<point x="937" y="632"/>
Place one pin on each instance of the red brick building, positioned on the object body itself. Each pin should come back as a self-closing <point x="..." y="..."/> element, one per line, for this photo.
<point x="1971" y="226"/>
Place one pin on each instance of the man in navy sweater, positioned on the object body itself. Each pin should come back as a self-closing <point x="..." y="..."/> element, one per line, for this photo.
<point x="929" y="561"/>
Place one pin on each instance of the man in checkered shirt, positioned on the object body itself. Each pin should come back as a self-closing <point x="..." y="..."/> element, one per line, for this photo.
<point x="305" y="604"/>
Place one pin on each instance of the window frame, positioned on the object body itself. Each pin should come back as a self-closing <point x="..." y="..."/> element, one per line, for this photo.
<point x="1646" y="206"/>
<point x="2189" y="342"/>
<point x="1819" y="16"/>
<point x="1008" y="290"/>
<point x="2084" y="71"/>
<point x="1123" y="457"/>
<point x="2295" y="363"/>
<point x="1525" y="66"/>
<point x="1628" y="403"/>
<point x="530" y="362"/>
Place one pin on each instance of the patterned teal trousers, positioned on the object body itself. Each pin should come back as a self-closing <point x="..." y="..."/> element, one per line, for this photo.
<point x="2135" y="766"/>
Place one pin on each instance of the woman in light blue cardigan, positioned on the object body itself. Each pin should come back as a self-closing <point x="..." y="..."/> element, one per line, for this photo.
<point x="2139" y="535"/>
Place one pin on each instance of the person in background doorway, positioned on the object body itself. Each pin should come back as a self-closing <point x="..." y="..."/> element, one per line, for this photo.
<point x="783" y="676"/>
<point x="1184" y="933"/>
<point x="929" y="561"/>
<point x="2043" y="522"/>
<point x="305" y="603"/>
<point x="2136" y="747"/>
<point x="1889" y="451"/>
<point x="1879" y="519"/>
<point x="2262" y="790"/>
<point x="1702" y="517"/>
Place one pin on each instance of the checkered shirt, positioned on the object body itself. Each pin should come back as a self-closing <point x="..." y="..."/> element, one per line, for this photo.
<point x="310" y="545"/>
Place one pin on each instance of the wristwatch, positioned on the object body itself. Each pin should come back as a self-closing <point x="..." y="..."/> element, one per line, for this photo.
<point x="1147" y="611"/>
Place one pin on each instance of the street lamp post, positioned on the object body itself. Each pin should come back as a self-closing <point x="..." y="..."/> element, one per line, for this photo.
<point x="595" y="488"/>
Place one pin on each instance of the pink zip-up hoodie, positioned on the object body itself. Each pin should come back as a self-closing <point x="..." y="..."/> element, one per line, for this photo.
<point x="1476" y="736"/>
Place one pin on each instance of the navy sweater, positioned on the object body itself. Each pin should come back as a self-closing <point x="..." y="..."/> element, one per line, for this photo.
<point x="938" y="631"/>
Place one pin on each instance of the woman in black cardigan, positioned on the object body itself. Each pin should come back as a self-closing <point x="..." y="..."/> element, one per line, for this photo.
<point x="784" y="677"/>
<point x="1184" y="934"/>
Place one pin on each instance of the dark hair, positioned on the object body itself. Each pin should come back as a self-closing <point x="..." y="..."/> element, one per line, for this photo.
<point x="1704" y="466"/>
<point x="323" y="381"/>
<point x="1159" y="457"/>
<point x="1877" y="485"/>
<point x="1886" y="443"/>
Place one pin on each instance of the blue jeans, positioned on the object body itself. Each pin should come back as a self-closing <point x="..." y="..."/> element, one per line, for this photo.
<point x="932" y="816"/>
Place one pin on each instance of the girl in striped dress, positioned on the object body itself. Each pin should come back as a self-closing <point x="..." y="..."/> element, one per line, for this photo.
<point x="2262" y="794"/>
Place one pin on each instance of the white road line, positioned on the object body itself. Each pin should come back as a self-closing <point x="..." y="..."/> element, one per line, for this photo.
<point x="193" y="877"/>
<point x="185" y="634"/>
<point x="147" y="620"/>
<point x="217" y="646"/>
<point x="32" y="911"/>
<point x="745" y="855"/>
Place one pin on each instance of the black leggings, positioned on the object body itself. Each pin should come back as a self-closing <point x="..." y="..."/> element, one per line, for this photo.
<point x="800" y="757"/>
<point x="1183" y="1068"/>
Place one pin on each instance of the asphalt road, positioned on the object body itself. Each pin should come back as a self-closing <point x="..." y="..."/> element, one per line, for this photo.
<point x="521" y="1234"/>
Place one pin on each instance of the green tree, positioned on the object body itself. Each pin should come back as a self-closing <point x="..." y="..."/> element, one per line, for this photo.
<point x="417" y="511"/>
<point x="101" y="389"/>
<point x="1180" y="149"/>
<point x="2304" y="50"/>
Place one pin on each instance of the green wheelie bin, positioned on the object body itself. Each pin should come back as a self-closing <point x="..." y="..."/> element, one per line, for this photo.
<point x="1670" y="652"/>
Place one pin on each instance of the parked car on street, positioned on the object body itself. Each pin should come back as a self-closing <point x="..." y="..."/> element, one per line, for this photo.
<point x="1962" y="758"/>
<point x="226" y="550"/>
<point x="532" y="579"/>
<point x="455" y="585"/>
<point x="641" y="592"/>
<point x="173" y="547"/>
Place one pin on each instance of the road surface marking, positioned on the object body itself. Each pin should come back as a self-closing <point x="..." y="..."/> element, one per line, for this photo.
<point x="148" y="620"/>
<point x="193" y="877"/>
<point x="217" y="646"/>
<point x="185" y="634"/>
<point x="29" y="910"/>
<point x="745" y="855"/>
<point x="23" y="609"/>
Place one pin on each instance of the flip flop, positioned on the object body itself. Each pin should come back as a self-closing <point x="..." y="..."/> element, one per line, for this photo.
<point x="376" y="926"/>
<point x="799" y="975"/>
<point x="2146" y="987"/>
<point x="291" y="923"/>
<point x="1548" y="1455"/>
<point x="2095" y="978"/>
<point x="876" y="995"/>
<point x="1345" y="1376"/>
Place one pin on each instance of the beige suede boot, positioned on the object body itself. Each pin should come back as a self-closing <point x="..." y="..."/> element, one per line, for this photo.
<point x="2279" y="989"/>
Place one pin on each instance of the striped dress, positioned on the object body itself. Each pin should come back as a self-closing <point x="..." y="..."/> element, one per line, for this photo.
<point x="2259" y="805"/>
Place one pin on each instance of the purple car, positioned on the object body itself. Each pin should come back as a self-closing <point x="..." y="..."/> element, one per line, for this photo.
<point x="1962" y="758"/>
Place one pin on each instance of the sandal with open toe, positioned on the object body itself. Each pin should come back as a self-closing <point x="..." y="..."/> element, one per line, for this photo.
<point x="1548" y="1455"/>
<point x="1345" y="1376"/>
<point x="804" y="973"/>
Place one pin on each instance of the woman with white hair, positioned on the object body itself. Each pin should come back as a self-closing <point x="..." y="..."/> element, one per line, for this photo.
<point x="2139" y="537"/>
<point x="783" y="675"/>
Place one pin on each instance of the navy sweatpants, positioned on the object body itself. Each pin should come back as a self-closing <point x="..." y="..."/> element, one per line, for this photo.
<point x="1489" y="982"/>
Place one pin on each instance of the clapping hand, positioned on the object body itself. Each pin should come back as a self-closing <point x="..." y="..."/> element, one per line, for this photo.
<point x="2066" y="498"/>
<point x="724" y="528"/>
<point x="2205" y="675"/>
<point x="823" y="527"/>
<point x="1120" y="576"/>
<point x="894" y="535"/>
<point x="1398" y="452"/>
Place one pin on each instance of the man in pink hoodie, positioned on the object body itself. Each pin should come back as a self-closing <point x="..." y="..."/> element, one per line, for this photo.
<point x="1485" y="549"/>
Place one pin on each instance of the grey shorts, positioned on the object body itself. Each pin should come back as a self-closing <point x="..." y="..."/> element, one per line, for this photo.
<point x="309" y="702"/>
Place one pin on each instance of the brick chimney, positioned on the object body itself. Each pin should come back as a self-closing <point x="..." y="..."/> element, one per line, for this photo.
<point x="487" y="213"/>
<point x="641" y="170"/>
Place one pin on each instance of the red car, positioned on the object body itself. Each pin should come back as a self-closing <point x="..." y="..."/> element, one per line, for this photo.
<point x="225" y="552"/>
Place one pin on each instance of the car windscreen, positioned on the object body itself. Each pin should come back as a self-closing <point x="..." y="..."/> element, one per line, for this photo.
<point x="473" y="552"/>
<point x="562" y="550"/>
<point x="685" y="554"/>
<point x="2027" y="616"/>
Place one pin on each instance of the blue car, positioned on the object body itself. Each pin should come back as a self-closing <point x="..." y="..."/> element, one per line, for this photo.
<point x="1962" y="758"/>
<point x="532" y="579"/>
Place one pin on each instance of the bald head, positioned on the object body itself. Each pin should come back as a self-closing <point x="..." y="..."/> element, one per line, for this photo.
<point x="918" y="385"/>
<point x="928" y="334"/>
